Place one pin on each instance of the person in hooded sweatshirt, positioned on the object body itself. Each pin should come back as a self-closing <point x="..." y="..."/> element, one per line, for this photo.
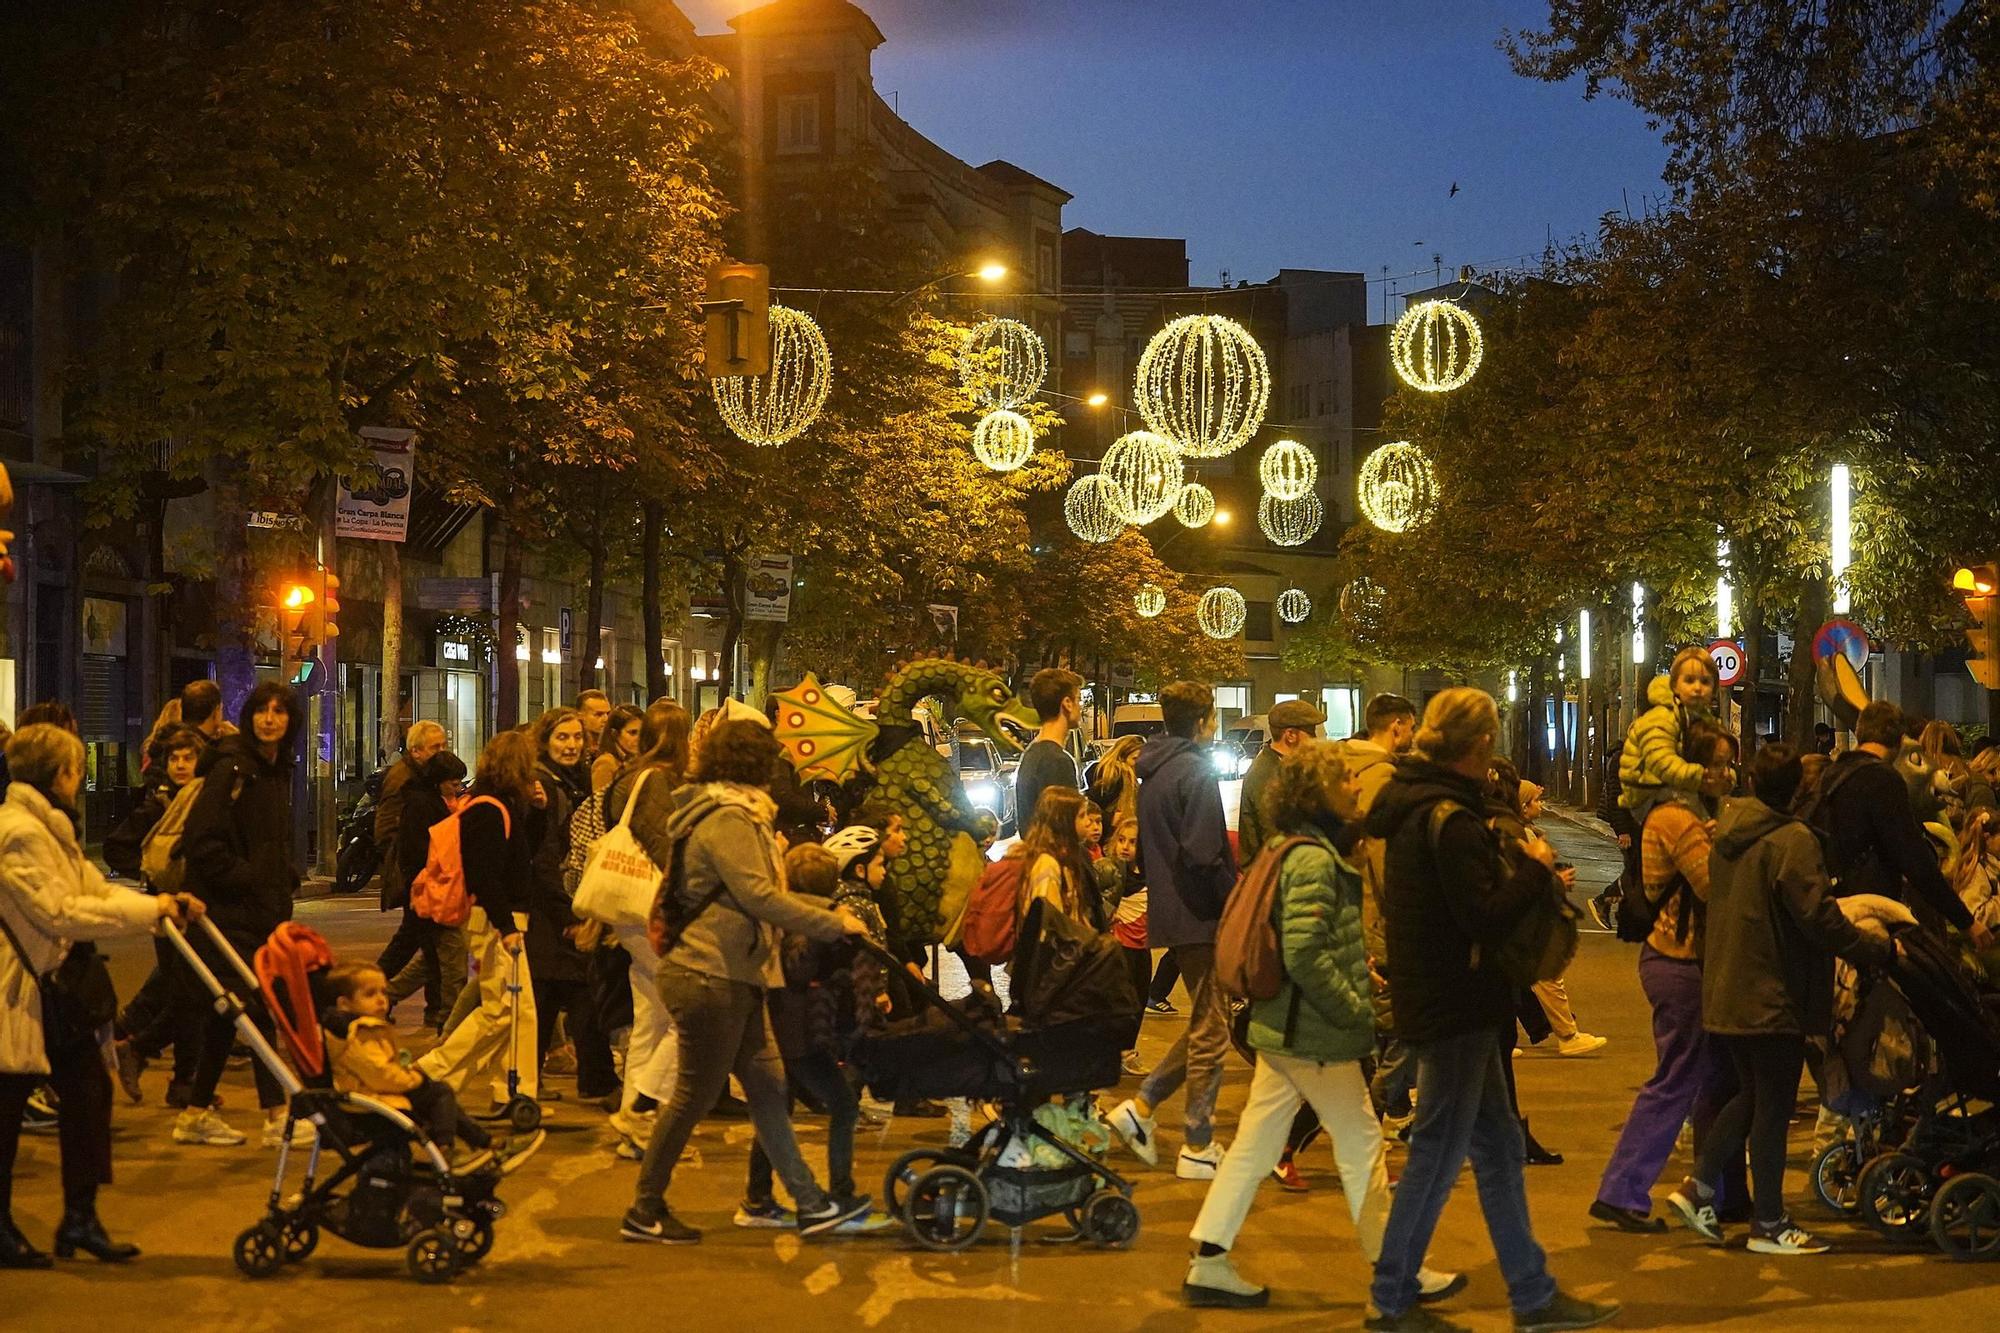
<point x="1448" y="896"/>
<point x="238" y="849"/>
<point x="1189" y="871"/>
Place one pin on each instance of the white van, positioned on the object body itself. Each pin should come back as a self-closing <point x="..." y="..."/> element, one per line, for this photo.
<point x="1137" y="720"/>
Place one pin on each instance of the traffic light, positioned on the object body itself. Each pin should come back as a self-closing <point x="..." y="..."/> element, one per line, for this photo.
<point x="736" y="319"/>
<point x="1979" y="585"/>
<point x="295" y="615"/>
<point x="329" y="607"/>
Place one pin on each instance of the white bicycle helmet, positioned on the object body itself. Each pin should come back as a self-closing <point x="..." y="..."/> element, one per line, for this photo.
<point x="854" y="843"/>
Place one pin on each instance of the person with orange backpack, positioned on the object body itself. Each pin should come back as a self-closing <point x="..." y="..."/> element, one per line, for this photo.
<point x="478" y="873"/>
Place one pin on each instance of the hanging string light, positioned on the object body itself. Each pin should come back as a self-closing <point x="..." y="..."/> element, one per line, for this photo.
<point x="1294" y="606"/>
<point x="1150" y="600"/>
<point x="1003" y="440"/>
<point x="1195" y="506"/>
<point x="1290" y="522"/>
<point x="1361" y="608"/>
<point x="1436" y="346"/>
<point x="1143" y="472"/>
<point x="1203" y="383"/>
<point x="1288" y="469"/>
<point x="1003" y="363"/>
<point x="1089" y="512"/>
<point x="771" y="409"/>
<point x="1221" y="613"/>
<point x="1397" y="488"/>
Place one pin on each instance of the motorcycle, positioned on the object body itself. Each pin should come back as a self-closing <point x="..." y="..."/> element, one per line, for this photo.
<point x="356" y="858"/>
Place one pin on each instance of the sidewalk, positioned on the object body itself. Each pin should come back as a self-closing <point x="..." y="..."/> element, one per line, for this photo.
<point x="1586" y="842"/>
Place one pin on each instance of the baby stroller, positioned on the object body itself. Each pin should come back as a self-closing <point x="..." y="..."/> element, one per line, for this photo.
<point x="378" y="1196"/>
<point x="1941" y="1180"/>
<point x="1015" y="1170"/>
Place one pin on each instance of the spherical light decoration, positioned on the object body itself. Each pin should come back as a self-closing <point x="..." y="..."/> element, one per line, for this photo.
<point x="1221" y="613"/>
<point x="1150" y="600"/>
<point x="1288" y="470"/>
<point x="1089" y="511"/>
<point x="1143" y="472"/>
<point x="1290" y="522"/>
<point x="1195" y="506"/>
<point x="1397" y="489"/>
<point x="1003" y="363"/>
<point x="1203" y="383"/>
<point x="1003" y="440"/>
<point x="1361" y="608"/>
<point x="1436" y="346"/>
<point x="773" y="408"/>
<point x="1294" y="606"/>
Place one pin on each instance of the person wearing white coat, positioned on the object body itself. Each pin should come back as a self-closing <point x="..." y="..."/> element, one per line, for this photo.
<point x="50" y="897"/>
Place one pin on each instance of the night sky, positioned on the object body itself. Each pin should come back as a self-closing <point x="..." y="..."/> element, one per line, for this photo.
<point x="1269" y="133"/>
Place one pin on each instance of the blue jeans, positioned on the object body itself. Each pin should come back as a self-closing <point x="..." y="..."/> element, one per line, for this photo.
<point x="1462" y="1106"/>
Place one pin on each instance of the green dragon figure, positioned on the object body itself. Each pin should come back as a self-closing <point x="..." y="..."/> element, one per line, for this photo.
<point x="928" y="885"/>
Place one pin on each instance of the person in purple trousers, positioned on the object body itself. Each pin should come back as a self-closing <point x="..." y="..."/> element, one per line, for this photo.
<point x="1691" y="1079"/>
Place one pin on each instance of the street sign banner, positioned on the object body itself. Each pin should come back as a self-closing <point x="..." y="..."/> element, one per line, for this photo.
<point x="374" y="500"/>
<point x="767" y="588"/>
<point x="1845" y="638"/>
<point x="1728" y="657"/>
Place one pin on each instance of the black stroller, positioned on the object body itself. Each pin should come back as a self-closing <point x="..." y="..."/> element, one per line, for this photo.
<point x="379" y="1196"/>
<point x="1074" y="1016"/>
<point x="1943" y="1180"/>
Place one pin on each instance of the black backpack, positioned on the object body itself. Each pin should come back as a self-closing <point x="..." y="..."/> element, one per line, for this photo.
<point x="1817" y="814"/>
<point x="1540" y="943"/>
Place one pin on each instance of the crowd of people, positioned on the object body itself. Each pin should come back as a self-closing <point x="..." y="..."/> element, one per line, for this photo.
<point x="1400" y="861"/>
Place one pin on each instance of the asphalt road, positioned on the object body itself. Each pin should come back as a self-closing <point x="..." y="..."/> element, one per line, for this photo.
<point x="558" y="1264"/>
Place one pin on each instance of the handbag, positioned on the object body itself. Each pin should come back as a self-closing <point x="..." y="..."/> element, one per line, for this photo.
<point x="77" y="995"/>
<point x="619" y="879"/>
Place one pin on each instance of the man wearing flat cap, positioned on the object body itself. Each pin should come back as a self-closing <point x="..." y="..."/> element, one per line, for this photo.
<point x="1292" y="724"/>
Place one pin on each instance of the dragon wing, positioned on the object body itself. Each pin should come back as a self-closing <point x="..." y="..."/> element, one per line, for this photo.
<point x="822" y="739"/>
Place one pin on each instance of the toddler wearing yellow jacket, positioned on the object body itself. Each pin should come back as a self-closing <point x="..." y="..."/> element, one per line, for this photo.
<point x="367" y="1060"/>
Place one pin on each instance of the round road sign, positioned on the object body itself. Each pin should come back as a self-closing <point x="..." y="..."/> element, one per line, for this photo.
<point x="1728" y="656"/>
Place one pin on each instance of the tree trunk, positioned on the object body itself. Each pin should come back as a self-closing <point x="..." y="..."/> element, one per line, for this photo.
<point x="1753" y="670"/>
<point x="1802" y="678"/>
<point x="732" y="624"/>
<point x="587" y="674"/>
<point x="1535" y="758"/>
<point x="507" y="693"/>
<point x="652" y="616"/>
<point x="235" y="599"/>
<point x="391" y="727"/>
<point x="763" y="640"/>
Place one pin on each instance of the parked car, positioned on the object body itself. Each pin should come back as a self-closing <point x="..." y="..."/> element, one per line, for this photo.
<point x="987" y="779"/>
<point x="1238" y="744"/>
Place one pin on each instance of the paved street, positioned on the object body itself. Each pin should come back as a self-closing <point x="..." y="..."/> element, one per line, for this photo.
<point x="558" y="1262"/>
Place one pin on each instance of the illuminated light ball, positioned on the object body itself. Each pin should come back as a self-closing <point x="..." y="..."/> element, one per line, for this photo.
<point x="1150" y="600"/>
<point x="1436" y="346"/>
<point x="1361" y="607"/>
<point x="1143" y="473"/>
<point x="1290" y="522"/>
<point x="1089" y="511"/>
<point x="771" y="409"/>
<point x="1294" y="606"/>
<point x="1195" y="506"/>
<point x="1204" y="384"/>
<point x="1003" y="440"/>
<point x="1221" y="613"/>
<point x="1288" y="470"/>
<point x="1397" y="489"/>
<point x="1003" y="363"/>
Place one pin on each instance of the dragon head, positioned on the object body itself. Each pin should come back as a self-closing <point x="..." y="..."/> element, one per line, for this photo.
<point x="975" y="693"/>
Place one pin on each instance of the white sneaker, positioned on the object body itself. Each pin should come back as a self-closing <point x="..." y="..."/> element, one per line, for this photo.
<point x="1199" y="1163"/>
<point x="1784" y="1238"/>
<point x="303" y="1133"/>
<point x="1214" y="1283"/>
<point x="1137" y="1131"/>
<point x="1581" y="1043"/>
<point x="206" y="1128"/>
<point x="634" y="1126"/>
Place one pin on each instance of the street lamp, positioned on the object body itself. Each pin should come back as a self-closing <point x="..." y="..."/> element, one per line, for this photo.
<point x="1097" y="399"/>
<point x="1222" y="517"/>
<point x="1842" y="552"/>
<point x="990" y="272"/>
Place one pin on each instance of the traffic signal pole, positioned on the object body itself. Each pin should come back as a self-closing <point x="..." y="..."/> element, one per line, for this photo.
<point x="326" y="701"/>
<point x="1979" y="586"/>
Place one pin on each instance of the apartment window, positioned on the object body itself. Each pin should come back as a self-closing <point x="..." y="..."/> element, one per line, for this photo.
<point x="1076" y="343"/>
<point x="1231" y="702"/>
<point x="798" y="123"/>
<point x="1045" y="267"/>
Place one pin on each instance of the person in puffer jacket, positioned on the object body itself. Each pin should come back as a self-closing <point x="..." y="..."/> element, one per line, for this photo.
<point x="1650" y="764"/>
<point x="1310" y="1037"/>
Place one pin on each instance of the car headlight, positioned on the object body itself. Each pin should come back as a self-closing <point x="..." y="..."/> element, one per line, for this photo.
<point x="983" y="794"/>
<point x="1224" y="764"/>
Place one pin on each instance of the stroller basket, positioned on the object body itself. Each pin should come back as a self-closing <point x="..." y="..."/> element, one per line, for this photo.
<point x="1018" y="1195"/>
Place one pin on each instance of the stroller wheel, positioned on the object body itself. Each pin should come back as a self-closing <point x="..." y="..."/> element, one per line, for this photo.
<point x="260" y="1251"/>
<point x="1894" y="1193"/>
<point x="903" y="1173"/>
<point x="299" y="1237"/>
<point x="946" y="1209"/>
<point x="1965" y="1217"/>
<point x="1835" y="1175"/>
<point x="1110" y="1219"/>
<point x="433" y="1256"/>
<point x="475" y="1239"/>
<point x="524" y="1114"/>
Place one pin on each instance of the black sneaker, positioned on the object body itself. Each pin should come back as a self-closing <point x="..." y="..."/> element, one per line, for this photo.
<point x="1565" y="1312"/>
<point x="41" y="1114"/>
<point x="1604" y="910"/>
<point x="1416" y="1319"/>
<point x="833" y="1214"/>
<point x="661" y="1228"/>
<point x="1628" y="1219"/>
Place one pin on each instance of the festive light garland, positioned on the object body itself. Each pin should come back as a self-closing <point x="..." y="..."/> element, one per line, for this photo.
<point x="1294" y="606"/>
<point x="1288" y="470"/>
<point x="1089" y="510"/>
<point x="1290" y="522"/>
<point x="1143" y="472"/>
<point x="1003" y="363"/>
<point x="1203" y="383"/>
<point x="1397" y="489"/>
<point x="1436" y="346"/>
<point x="1003" y="440"/>
<point x="1150" y="600"/>
<point x="1221" y="613"/>
<point x="1195" y="505"/>
<point x="771" y="409"/>
<point x="1361" y="607"/>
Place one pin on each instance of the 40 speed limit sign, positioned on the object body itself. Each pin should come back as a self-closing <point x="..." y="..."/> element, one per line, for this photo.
<point x="1728" y="657"/>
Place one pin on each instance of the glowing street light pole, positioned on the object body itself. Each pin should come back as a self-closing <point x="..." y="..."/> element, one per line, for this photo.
<point x="1725" y="596"/>
<point x="1638" y="625"/>
<point x="1842" y="538"/>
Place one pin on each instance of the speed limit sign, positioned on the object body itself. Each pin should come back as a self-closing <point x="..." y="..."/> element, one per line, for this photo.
<point x="1728" y="658"/>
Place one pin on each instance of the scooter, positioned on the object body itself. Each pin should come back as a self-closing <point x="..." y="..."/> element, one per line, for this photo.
<point x="356" y="857"/>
